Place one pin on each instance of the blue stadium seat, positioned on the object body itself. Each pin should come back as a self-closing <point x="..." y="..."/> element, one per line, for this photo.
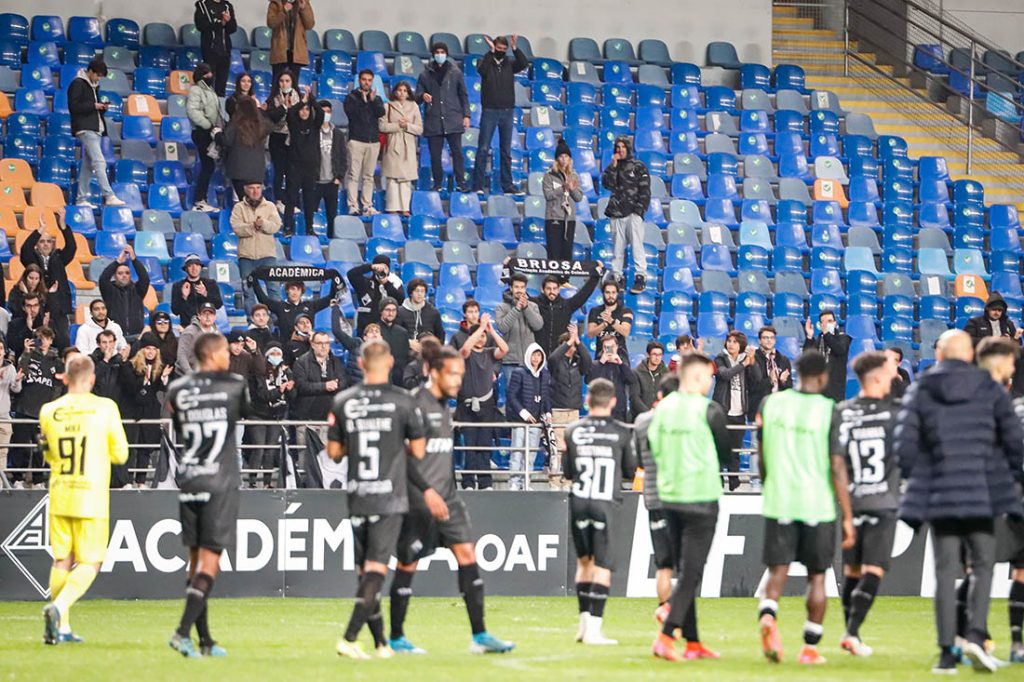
<point x="755" y="77"/>
<point x="110" y="244"/>
<point x="118" y="219"/>
<point x="48" y="27"/>
<point x="969" y="262"/>
<point x="165" y="198"/>
<point x="722" y="54"/>
<point x="123" y="33"/>
<point x="427" y="204"/>
<point x="85" y="30"/>
<point x="1003" y="216"/>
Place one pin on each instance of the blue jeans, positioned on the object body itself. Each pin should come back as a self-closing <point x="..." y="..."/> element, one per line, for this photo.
<point x="518" y="460"/>
<point x="246" y="266"/>
<point x="504" y="121"/>
<point x="93" y="160"/>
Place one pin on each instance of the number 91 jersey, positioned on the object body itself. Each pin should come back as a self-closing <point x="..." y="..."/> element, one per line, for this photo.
<point x="373" y="423"/>
<point x="864" y="427"/>
<point x="205" y="408"/>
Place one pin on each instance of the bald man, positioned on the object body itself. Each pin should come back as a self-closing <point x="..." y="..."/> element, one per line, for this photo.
<point x="960" y="447"/>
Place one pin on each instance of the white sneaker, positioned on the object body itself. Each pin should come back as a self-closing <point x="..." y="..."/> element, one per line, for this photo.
<point x="19" y="485"/>
<point x="279" y="206"/>
<point x="204" y="207"/>
<point x="980" y="659"/>
<point x="582" y="631"/>
<point x="112" y="200"/>
<point x="371" y="211"/>
<point x="855" y="646"/>
<point x="85" y="203"/>
<point x="593" y="635"/>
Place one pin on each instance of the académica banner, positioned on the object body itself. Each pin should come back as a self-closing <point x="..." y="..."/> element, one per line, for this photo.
<point x="299" y="543"/>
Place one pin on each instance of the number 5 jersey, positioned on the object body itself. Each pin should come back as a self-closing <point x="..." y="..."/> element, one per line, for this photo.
<point x="865" y="427"/>
<point x="205" y="408"/>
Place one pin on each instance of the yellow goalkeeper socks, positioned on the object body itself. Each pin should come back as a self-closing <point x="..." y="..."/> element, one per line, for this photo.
<point x="58" y="576"/>
<point x="78" y="582"/>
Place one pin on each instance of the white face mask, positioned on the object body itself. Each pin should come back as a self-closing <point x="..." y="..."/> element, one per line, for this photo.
<point x="286" y="91"/>
<point x="275" y="359"/>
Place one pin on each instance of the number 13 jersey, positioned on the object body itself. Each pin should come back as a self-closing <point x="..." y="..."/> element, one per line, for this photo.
<point x="205" y="408"/>
<point x="373" y="422"/>
<point x="865" y="427"/>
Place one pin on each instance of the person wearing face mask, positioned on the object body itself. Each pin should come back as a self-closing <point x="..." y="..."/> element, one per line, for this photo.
<point x="203" y="109"/>
<point x="835" y="346"/>
<point x="364" y="110"/>
<point x="442" y="90"/>
<point x="272" y="389"/>
<point x="299" y="343"/>
<point x="498" y="100"/>
<point x="245" y="141"/>
<point x="123" y="297"/>
<point x="402" y="125"/>
<point x="288" y="21"/>
<point x="333" y="164"/>
<point x="255" y="221"/>
<point x="283" y="96"/>
<point x="89" y="126"/>
<point x="304" y="122"/>
<point x="40" y="248"/>
<point x="215" y="21"/>
<point x="144" y="377"/>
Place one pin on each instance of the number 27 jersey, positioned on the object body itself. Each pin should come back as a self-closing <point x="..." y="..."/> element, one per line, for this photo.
<point x="373" y="422"/>
<point x="865" y="427"/>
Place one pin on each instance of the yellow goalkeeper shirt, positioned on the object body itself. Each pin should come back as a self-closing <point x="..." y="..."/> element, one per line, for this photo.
<point x="83" y="436"/>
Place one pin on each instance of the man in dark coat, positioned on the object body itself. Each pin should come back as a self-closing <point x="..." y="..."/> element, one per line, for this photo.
<point x="835" y="346"/>
<point x="771" y="372"/>
<point x="123" y="297"/>
<point x="215" y="21"/>
<point x="442" y="90"/>
<point x="193" y="291"/>
<point x="498" y="102"/>
<point x="611" y="366"/>
<point x="368" y="292"/>
<point x="961" y="449"/>
<point x="557" y="312"/>
<point x="993" y="322"/>
<point x="396" y="336"/>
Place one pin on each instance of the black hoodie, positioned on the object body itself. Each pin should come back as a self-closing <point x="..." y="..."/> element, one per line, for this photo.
<point x="215" y="34"/>
<point x="40" y="384"/>
<point x="304" y="140"/>
<point x="980" y="327"/>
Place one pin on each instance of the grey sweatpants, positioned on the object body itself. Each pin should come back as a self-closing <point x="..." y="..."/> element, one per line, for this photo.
<point x="980" y="546"/>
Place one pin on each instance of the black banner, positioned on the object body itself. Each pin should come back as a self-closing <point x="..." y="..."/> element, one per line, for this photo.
<point x="301" y="273"/>
<point x="557" y="268"/>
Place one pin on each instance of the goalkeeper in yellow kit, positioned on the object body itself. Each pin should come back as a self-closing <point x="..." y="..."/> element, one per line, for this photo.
<point x="82" y="436"/>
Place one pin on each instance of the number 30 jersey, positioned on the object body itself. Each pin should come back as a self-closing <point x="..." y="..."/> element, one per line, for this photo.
<point x="600" y="455"/>
<point x="373" y="423"/>
<point x="205" y="408"/>
<point x="865" y="427"/>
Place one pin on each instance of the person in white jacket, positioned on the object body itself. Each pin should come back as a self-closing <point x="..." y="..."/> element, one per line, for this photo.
<point x="85" y="339"/>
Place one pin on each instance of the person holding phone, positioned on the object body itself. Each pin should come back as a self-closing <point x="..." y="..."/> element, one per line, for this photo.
<point x="215" y="21"/>
<point x="89" y="126"/>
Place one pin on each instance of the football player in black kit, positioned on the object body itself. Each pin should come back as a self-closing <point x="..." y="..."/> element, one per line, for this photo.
<point x="865" y="427"/>
<point x="205" y="407"/>
<point x="377" y="426"/>
<point x="436" y="514"/>
<point x="600" y="455"/>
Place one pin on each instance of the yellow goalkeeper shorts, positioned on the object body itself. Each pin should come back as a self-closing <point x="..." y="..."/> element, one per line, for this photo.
<point x="85" y="538"/>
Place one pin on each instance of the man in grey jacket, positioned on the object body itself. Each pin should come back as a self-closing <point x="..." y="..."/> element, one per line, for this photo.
<point x="442" y="90"/>
<point x="517" y="318"/>
<point x="205" y="322"/>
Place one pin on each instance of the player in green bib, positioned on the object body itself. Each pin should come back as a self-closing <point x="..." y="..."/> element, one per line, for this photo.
<point x="803" y="481"/>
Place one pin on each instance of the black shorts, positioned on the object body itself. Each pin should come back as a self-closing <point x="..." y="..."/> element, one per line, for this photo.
<point x="592" y="530"/>
<point x="209" y="520"/>
<point x="876" y="532"/>
<point x="665" y="539"/>
<point x="814" y="546"/>
<point x="422" y="534"/>
<point x="376" y="537"/>
<point x="1010" y="541"/>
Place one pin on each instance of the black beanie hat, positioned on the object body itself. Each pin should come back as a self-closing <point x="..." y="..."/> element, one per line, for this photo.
<point x="562" y="148"/>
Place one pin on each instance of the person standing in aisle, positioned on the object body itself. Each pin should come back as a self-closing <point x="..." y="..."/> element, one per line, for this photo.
<point x="402" y="125"/>
<point x="442" y="89"/>
<point x="215" y="21"/>
<point x="561" y="187"/>
<point x="498" y="101"/>
<point x="364" y="111"/>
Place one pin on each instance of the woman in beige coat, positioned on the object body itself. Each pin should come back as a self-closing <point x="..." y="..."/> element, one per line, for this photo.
<point x="403" y="125"/>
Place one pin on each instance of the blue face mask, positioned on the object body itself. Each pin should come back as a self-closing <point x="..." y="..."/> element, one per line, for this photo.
<point x="440" y="58"/>
<point x="275" y="359"/>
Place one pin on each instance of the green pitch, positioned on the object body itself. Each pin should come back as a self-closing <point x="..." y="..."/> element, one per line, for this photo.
<point x="293" y="639"/>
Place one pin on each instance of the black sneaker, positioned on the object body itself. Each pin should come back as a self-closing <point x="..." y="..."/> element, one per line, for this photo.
<point x="639" y="284"/>
<point x="946" y="664"/>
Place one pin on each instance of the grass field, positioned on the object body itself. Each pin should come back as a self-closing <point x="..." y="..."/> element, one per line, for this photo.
<point x="292" y="639"/>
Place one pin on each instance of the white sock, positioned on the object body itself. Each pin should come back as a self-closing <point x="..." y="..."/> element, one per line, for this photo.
<point x="594" y="623"/>
<point x="769" y="605"/>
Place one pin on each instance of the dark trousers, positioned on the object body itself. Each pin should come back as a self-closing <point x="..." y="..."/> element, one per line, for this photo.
<point x="202" y="138"/>
<point x="694" y="532"/>
<point x="502" y="120"/>
<point x="299" y="181"/>
<point x="138" y="458"/>
<point x="279" y="157"/>
<point x="265" y="457"/>
<point x="735" y="443"/>
<point x="239" y="187"/>
<point x="221" y="65"/>
<point x="950" y="539"/>
<point x="23" y="453"/>
<point x="328" y="192"/>
<point x="435" y="143"/>
<point x="482" y="437"/>
<point x="560" y="236"/>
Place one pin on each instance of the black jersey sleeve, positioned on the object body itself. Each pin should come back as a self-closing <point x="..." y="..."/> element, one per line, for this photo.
<point x="568" y="467"/>
<point x="629" y="455"/>
<point x="415" y="427"/>
<point x="720" y="432"/>
<point x="336" y="420"/>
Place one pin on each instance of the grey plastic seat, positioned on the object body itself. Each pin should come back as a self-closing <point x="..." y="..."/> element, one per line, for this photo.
<point x="652" y="74"/>
<point x="689" y="164"/>
<point x="156" y="220"/>
<point x="713" y="346"/>
<point x="457" y="252"/>
<point x="681" y="233"/>
<point x="898" y="284"/>
<point x="495" y="252"/>
<point x="826" y="100"/>
<point x="224" y="271"/>
<point x="717" y="142"/>
<point x="712" y="233"/>
<point x="753" y="281"/>
<point x="654" y="236"/>
<point x="791" y="283"/>
<point x="408" y="65"/>
<point x="830" y="168"/>
<point x="791" y="99"/>
<point x="462" y="230"/>
<point x="198" y="222"/>
<point x="344" y="250"/>
<point x="349" y="227"/>
<point x="759" y="188"/>
<point x="542" y="116"/>
<point x="795" y="189"/>
<point x="98" y="265"/>
<point x="686" y="212"/>
<point x="716" y="280"/>
<point x="858" y="123"/>
<point x="789" y="327"/>
<point x="583" y="72"/>
<point x="756" y="99"/>
<point x="658" y="189"/>
<point x="138" y="150"/>
<point x="930" y="331"/>
<point x="535" y="184"/>
<point x="419" y="251"/>
<point x="531" y="251"/>
<point x="121" y="58"/>
<point x="934" y="238"/>
<point x="759" y="166"/>
<point x="721" y="122"/>
<point x="866" y="237"/>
